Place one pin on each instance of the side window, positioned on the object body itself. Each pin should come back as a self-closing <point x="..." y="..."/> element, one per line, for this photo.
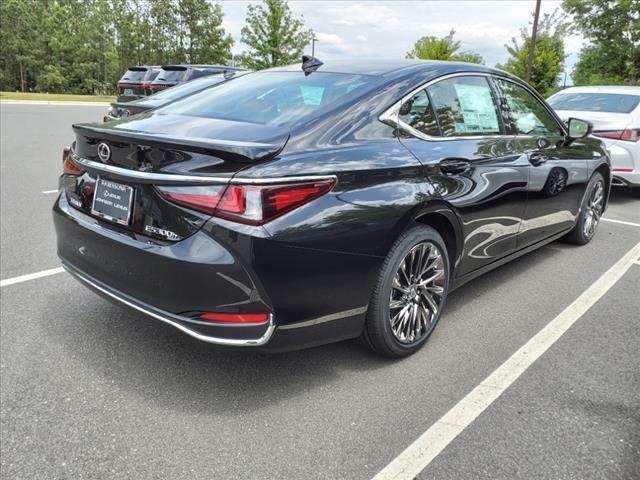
<point x="465" y="106"/>
<point x="418" y="113"/>
<point x="527" y="115"/>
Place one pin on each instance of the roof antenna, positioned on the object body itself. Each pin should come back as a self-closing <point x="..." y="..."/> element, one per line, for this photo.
<point x="310" y="64"/>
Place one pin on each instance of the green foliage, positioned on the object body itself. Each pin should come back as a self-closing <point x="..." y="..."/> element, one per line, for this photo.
<point x="548" y="61"/>
<point x="84" y="46"/>
<point x="614" y="31"/>
<point x="445" y="48"/>
<point x="51" y="80"/>
<point x="273" y="35"/>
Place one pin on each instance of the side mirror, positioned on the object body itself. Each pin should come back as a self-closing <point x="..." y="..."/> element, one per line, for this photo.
<point x="579" y="128"/>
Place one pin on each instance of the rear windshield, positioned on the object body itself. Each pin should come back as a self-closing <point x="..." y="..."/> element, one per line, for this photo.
<point x="171" y="75"/>
<point x="276" y="98"/>
<point x="151" y="74"/>
<point x="133" y="76"/>
<point x="188" y="88"/>
<point x="595" y="102"/>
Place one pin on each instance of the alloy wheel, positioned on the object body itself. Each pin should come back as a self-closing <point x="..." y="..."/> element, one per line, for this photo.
<point x="593" y="210"/>
<point x="417" y="292"/>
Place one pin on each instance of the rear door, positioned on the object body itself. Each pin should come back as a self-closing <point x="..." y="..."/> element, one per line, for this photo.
<point x="559" y="172"/>
<point x="456" y="129"/>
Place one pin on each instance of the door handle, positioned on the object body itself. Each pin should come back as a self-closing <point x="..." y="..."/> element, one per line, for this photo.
<point x="452" y="166"/>
<point x="537" y="158"/>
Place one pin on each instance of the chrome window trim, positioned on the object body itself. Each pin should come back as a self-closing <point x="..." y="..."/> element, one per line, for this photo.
<point x="167" y="319"/>
<point x="390" y="115"/>
<point x="173" y="179"/>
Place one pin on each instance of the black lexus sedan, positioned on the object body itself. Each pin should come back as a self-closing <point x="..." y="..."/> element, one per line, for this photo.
<point x="294" y="207"/>
<point x="119" y="110"/>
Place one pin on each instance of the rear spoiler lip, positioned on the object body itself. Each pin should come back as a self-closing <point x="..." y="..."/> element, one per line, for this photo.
<point x="243" y="152"/>
<point x="173" y="179"/>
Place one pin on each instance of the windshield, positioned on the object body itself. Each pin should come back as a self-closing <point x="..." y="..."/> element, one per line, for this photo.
<point x="272" y="97"/>
<point x="133" y="75"/>
<point x="595" y="102"/>
<point x="188" y="88"/>
<point x="171" y="75"/>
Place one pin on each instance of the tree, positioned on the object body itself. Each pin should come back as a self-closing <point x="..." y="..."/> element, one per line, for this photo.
<point x="548" y="61"/>
<point x="201" y="36"/>
<point x="445" y="48"/>
<point x="614" y="31"/>
<point x="273" y="35"/>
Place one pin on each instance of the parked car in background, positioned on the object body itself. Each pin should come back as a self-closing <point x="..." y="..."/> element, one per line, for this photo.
<point x="172" y="75"/>
<point x="136" y="82"/>
<point x="119" y="110"/>
<point x="293" y="207"/>
<point x="615" y="115"/>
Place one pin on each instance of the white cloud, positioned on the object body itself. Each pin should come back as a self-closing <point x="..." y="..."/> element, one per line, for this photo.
<point x="362" y="38"/>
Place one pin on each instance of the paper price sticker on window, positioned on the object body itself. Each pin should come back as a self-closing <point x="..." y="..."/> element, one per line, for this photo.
<point x="477" y="108"/>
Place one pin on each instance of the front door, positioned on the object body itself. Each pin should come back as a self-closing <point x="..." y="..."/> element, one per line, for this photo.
<point x="559" y="172"/>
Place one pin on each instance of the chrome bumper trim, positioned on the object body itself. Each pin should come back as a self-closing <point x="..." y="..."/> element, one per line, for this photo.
<point x="167" y="319"/>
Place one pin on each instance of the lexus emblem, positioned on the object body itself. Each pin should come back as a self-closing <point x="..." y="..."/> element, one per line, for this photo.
<point x="104" y="152"/>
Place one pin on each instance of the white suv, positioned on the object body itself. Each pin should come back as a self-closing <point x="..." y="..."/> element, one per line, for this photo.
<point x="615" y="114"/>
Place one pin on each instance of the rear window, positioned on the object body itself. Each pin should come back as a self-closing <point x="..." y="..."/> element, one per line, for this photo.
<point x="133" y="76"/>
<point x="188" y="88"/>
<point x="595" y="102"/>
<point x="277" y="98"/>
<point x="151" y="74"/>
<point x="171" y="75"/>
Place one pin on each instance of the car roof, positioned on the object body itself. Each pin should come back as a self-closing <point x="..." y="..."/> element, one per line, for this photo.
<point x="391" y="67"/>
<point x="624" y="89"/>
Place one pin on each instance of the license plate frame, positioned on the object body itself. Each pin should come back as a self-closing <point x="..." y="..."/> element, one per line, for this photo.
<point x="128" y="91"/>
<point x="112" y="206"/>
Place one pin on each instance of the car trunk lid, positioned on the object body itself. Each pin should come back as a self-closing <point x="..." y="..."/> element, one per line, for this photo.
<point x="157" y="149"/>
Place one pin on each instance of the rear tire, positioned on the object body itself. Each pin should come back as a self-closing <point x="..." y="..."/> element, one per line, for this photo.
<point x="409" y="295"/>
<point x="590" y="211"/>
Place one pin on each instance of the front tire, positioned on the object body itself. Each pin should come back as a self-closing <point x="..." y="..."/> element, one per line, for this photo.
<point x="590" y="211"/>
<point x="409" y="295"/>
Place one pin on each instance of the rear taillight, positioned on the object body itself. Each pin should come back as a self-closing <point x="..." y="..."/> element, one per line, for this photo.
<point x="249" y="204"/>
<point x="68" y="167"/>
<point x="630" y="134"/>
<point x="235" y="317"/>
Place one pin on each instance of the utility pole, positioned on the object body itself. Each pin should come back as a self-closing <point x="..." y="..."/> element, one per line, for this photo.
<point x="532" y="46"/>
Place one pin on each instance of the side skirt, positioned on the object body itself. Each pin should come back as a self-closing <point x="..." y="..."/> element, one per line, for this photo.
<point x="458" y="282"/>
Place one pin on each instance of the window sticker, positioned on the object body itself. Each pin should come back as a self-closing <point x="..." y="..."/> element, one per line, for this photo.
<point x="477" y="109"/>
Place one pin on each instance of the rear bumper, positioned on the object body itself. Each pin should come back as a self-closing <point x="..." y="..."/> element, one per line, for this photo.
<point x="181" y="323"/>
<point x="312" y="297"/>
<point x="626" y="179"/>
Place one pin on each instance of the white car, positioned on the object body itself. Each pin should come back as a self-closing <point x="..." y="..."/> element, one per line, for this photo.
<point x="615" y="114"/>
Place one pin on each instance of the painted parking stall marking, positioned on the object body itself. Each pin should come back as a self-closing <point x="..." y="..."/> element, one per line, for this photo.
<point x="30" y="276"/>
<point x="428" y="446"/>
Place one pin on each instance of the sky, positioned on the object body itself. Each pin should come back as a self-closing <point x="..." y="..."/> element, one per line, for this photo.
<point x="390" y="28"/>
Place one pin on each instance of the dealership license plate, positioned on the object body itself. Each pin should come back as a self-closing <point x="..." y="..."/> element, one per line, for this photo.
<point x="128" y="91"/>
<point x="112" y="201"/>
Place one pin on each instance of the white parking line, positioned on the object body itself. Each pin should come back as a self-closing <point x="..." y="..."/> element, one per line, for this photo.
<point x="50" y="191"/>
<point x="621" y="222"/>
<point x="30" y="276"/>
<point x="429" y="445"/>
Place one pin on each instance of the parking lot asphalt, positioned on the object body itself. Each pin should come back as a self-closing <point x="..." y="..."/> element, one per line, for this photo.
<point x="90" y="390"/>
